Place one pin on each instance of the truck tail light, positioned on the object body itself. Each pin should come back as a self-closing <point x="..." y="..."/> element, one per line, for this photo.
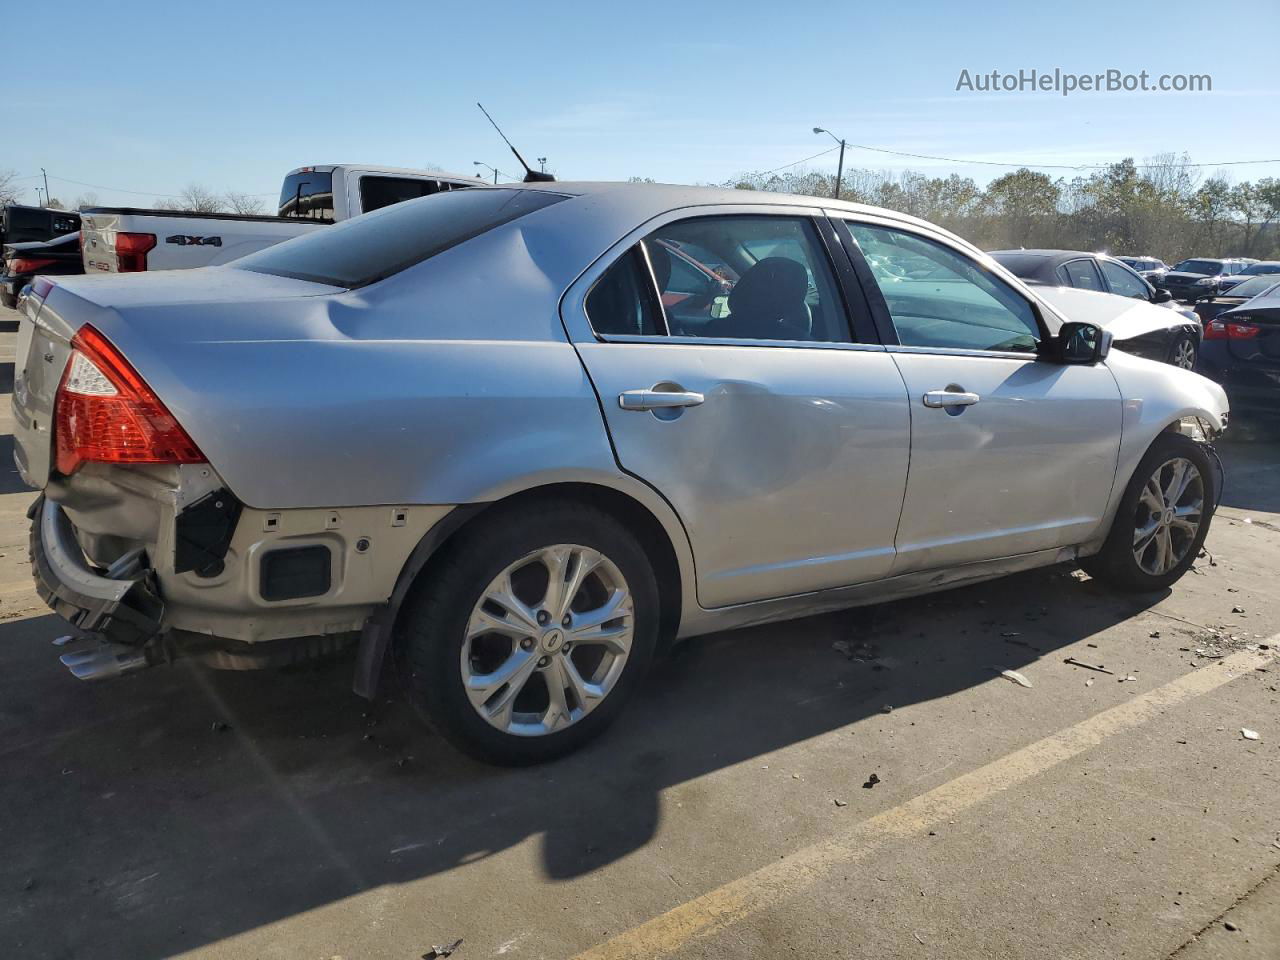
<point x="131" y="251"/>
<point x="1230" y="330"/>
<point x="28" y="264"/>
<point x="104" y="412"/>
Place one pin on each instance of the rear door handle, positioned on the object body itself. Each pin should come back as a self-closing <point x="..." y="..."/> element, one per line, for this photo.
<point x="658" y="399"/>
<point x="950" y="398"/>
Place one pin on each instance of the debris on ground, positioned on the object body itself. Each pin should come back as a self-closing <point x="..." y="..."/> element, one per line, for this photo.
<point x="1237" y="609"/>
<point x="1088" y="666"/>
<point x="1154" y="634"/>
<point x="887" y="708"/>
<point x="1129" y="679"/>
<point x="1013" y="675"/>
<point x="220" y="726"/>
<point x="1249" y="734"/>
<point x="437" y="951"/>
<point x="1229" y="925"/>
<point x="1011" y="633"/>
<point x="1089" y="682"/>
<point x="840" y="803"/>
<point x="871" y="781"/>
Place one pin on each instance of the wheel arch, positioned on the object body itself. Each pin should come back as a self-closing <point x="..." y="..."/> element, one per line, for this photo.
<point x="641" y="511"/>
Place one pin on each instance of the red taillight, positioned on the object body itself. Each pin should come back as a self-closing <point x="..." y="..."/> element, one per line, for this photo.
<point x="131" y="251"/>
<point x="105" y="412"/>
<point x="28" y="264"/>
<point x="1230" y="330"/>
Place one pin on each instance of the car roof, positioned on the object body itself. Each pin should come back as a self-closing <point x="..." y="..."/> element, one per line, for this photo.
<point x="1056" y="256"/>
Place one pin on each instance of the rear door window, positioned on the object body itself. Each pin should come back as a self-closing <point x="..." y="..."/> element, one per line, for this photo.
<point x="1082" y="274"/>
<point x="366" y="249"/>
<point x="379" y="192"/>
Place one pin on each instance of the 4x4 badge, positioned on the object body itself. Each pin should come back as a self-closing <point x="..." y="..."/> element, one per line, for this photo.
<point x="184" y="241"/>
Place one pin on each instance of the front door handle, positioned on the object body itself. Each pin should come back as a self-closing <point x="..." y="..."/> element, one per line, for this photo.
<point x="658" y="399"/>
<point x="950" y="398"/>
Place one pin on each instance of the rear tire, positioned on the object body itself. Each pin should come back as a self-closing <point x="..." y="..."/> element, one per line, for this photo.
<point x="506" y="668"/>
<point x="1162" y="520"/>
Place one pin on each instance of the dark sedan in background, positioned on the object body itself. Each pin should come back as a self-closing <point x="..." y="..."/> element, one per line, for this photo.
<point x="1243" y="292"/>
<point x="22" y="261"/>
<point x="1191" y="280"/>
<point x="1175" y="341"/>
<point x="1263" y="268"/>
<point x="1242" y="352"/>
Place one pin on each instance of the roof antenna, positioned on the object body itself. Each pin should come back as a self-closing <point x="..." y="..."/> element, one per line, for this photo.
<point x="530" y="175"/>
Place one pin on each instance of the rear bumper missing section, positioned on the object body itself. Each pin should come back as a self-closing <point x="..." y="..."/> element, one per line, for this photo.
<point x="123" y="609"/>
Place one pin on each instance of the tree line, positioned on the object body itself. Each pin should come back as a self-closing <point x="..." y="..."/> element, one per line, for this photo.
<point x="1162" y="207"/>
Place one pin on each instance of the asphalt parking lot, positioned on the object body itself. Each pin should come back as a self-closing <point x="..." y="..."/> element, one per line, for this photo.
<point x="862" y="784"/>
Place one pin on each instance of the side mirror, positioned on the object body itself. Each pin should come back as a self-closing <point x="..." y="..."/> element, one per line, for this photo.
<point x="1162" y="296"/>
<point x="1083" y="343"/>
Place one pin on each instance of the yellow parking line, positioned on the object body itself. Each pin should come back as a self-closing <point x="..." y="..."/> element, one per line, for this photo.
<point x="726" y="905"/>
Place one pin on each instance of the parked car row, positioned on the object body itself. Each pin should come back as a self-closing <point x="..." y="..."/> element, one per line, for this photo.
<point x="1169" y="335"/>
<point x="24" y="261"/>
<point x="639" y="413"/>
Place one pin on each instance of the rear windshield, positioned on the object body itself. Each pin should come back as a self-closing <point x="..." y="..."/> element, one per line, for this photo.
<point x="1020" y="264"/>
<point x="1208" y="267"/>
<point x="376" y="245"/>
<point x="1260" y="269"/>
<point x="1253" y="286"/>
<point x="308" y="195"/>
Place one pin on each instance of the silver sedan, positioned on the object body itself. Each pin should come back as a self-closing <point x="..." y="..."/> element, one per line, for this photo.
<point x="510" y="442"/>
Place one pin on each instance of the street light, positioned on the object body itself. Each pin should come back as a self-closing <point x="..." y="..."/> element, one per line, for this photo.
<point x="840" y="166"/>
<point x="542" y="164"/>
<point x="496" y="171"/>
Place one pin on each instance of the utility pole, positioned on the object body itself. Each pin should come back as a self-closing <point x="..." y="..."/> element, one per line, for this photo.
<point x="840" y="166"/>
<point x="46" y="185"/>
<point x="839" y="171"/>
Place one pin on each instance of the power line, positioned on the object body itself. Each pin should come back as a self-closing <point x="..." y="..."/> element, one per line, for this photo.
<point x="796" y="162"/>
<point x="136" y="193"/>
<point x="1041" y="166"/>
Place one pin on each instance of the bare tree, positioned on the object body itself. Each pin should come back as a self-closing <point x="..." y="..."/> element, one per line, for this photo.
<point x="243" y="203"/>
<point x="198" y="199"/>
<point x="9" y="192"/>
<point x="89" y="199"/>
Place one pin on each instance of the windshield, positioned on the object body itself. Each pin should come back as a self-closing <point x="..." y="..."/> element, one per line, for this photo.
<point x="376" y="245"/>
<point x="1260" y="269"/>
<point x="1207" y="267"/>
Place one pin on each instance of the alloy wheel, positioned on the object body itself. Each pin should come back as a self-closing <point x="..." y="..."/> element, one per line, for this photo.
<point x="547" y="640"/>
<point x="1184" y="354"/>
<point x="1168" y="516"/>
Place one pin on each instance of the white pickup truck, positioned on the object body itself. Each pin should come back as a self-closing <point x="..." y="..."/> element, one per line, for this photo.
<point x="126" y="239"/>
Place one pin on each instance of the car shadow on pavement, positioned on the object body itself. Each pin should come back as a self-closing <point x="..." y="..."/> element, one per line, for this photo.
<point x="171" y="809"/>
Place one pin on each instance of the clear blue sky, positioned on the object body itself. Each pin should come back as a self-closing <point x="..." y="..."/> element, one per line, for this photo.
<point x="151" y="96"/>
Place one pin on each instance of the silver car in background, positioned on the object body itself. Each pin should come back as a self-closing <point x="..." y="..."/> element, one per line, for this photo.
<point x="510" y="441"/>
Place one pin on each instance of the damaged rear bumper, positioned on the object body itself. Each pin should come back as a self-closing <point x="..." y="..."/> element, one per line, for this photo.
<point x="121" y="607"/>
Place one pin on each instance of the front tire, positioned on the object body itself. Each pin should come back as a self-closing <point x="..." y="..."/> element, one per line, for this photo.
<point x="532" y="632"/>
<point x="1184" y="351"/>
<point x="1162" y="520"/>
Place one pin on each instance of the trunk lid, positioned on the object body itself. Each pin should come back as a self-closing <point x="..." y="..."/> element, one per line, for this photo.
<point x="155" y="301"/>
